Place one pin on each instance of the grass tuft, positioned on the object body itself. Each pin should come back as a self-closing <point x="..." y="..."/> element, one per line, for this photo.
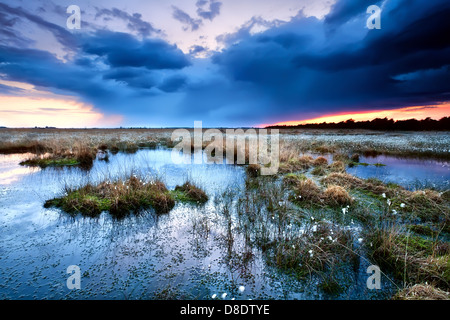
<point x="191" y="193"/>
<point x="422" y="292"/>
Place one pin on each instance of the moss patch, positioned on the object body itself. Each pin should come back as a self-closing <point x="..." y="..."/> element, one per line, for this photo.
<point x="190" y="193"/>
<point x="49" y="162"/>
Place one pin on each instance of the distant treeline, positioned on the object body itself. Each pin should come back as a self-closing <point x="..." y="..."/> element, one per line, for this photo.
<point x="427" y="124"/>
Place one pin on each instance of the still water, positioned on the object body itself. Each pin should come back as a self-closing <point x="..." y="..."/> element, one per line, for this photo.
<point x="180" y="255"/>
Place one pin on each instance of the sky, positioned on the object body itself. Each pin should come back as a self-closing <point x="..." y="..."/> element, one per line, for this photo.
<point x="227" y="63"/>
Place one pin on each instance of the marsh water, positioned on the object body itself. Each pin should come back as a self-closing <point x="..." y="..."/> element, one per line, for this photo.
<point x="185" y="254"/>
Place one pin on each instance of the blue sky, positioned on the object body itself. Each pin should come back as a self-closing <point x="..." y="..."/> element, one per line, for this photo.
<point x="226" y="63"/>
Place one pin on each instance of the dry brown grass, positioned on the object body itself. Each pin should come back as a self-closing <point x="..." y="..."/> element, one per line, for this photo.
<point x="422" y="292"/>
<point x="296" y="164"/>
<point x="344" y="180"/>
<point x="307" y="190"/>
<point x="341" y="157"/>
<point x="337" y="166"/>
<point x="24" y="146"/>
<point x="320" y="161"/>
<point x="337" y="196"/>
<point x="355" y="157"/>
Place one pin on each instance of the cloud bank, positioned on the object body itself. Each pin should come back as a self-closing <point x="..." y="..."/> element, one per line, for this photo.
<point x="299" y="69"/>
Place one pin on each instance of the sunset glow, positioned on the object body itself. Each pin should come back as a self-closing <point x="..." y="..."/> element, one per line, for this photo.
<point x="419" y="112"/>
<point x="52" y="112"/>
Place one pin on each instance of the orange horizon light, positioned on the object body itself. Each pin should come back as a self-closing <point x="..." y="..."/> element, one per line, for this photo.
<point x="417" y="112"/>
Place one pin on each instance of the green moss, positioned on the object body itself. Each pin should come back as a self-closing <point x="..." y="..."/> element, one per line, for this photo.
<point x="43" y="163"/>
<point x="423" y="230"/>
<point x="180" y="196"/>
<point x="295" y="176"/>
<point x="379" y="165"/>
<point x="319" y="171"/>
<point x="188" y="192"/>
<point x="393" y="185"/>
<point x="416" y="244"/>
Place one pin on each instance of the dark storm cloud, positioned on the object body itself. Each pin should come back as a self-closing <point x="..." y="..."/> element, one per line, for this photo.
<point x="109" y="70"/>
<point x="173" y="83"/>
<point x="208" y="9"/>
<point x="297" y="69"/>
<point x="299" y="73"/>
<point x="123" y="50"/>
<point x="134" y="21"/>
<point x="42" y="69"/>
<point x="61" y="34"/>
<point x="133" y="77"/>
<point x="186" y="19"/>
<point x="342" y="11"/>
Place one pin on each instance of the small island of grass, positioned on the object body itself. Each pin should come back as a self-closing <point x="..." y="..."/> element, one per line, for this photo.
<point x="123" y="197"/>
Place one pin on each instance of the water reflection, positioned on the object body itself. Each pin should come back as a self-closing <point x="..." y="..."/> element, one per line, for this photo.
<point x="409" y="173"/>
<point x="192" y="252"/>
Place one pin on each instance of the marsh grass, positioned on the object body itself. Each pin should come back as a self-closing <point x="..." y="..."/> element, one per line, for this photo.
<point x="319" y="250"/>
<point x="319" y="171"/>
<point x="422" y="292"/>
<point x="411" y="259"/>
<point x="79" y="156"/>
<point x="320" y="161"/>
<point x="189" y="192"/>
<point x="337" y="196"/>
<point x="427" y="205"/>
<point x="306" y="191"/>
<point x="122" y="197"/>
<point x="337" y="166"/>
<point x="292" y="179"/>
<point x="294" y="164"/>
<point x="23" y="146"/>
